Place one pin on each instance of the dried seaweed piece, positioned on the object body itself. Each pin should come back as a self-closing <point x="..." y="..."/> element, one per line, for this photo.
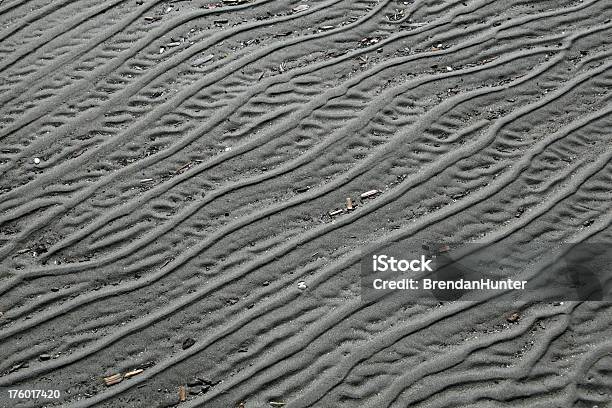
<point x="113" y="379"/>
<point x="369" y="194"/>
<point x="133" y="373"/>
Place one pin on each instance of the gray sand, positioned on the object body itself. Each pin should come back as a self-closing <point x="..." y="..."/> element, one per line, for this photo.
<point x="168" y="170"/>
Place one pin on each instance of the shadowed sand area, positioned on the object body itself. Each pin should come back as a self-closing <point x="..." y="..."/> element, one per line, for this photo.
<point x="174" y="179"/>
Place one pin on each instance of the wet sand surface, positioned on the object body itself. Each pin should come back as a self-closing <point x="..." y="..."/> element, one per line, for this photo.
<point x="168" y="171"/>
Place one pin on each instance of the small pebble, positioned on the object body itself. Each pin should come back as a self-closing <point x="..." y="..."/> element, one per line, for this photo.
<point x="195" y="390"/>
<point x="513" y="318"/>
<point x="300" y="8"/>
<point x="188" y="343"/>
